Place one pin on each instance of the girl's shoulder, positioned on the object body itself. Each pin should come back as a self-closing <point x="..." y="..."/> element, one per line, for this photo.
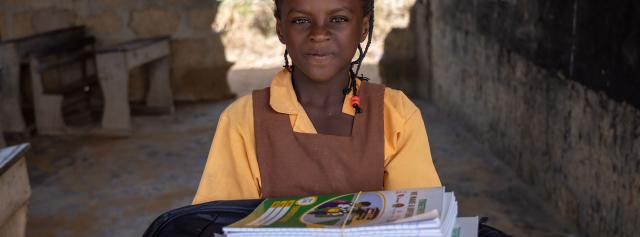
<point x="239" y="110"/>
<point x="398" y="110"/>
<point x="397" y="104"/>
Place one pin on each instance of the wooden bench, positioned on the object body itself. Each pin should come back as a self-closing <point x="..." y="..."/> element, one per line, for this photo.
<point x="15" y="190"/>
<point x="21" y="53"/>
<point x="70" y="52"/>
<point x="63" y="98"/>
<point x="114" y="64"/>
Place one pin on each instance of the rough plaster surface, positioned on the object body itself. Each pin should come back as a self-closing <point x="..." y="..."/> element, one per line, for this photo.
<point x="398" y="64"/>
<point x="48" y="19"/>
<point x="2" y="27"/>
<point x="579" y="148"/>
<point x="589" y="41"/>
<point x="16" y="224"/>
<point x="14" y="191"/>
<point x="154" y="22"/>
<point x="198" y="74"/>
<point x="402" y="65"/>
<point x="104" y="24"/>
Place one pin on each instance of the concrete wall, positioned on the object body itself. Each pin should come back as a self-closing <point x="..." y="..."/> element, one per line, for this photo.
<point x="15" y="193"/>
<point x="552" y="87"/>
<point x="399" y="67"/>
<point x="198" y="61"/>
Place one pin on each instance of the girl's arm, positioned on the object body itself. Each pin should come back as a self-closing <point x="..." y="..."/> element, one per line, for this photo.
<point x="411" y="165"/>
<point x="228" y="172"/>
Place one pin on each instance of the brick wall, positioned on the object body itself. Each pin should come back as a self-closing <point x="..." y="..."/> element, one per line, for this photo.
<point x="199" y="66"/>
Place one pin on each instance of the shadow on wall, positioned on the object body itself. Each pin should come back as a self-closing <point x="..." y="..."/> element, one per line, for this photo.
<point x="199" y="67"/>
<point x="551" y="86"/>
<point x="401" y="55"/>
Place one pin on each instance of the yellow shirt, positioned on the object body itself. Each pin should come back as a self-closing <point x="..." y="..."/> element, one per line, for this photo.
<point x="232" y="171"/>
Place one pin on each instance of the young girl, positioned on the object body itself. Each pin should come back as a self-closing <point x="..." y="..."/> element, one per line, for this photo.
<point x="319" y="128"/>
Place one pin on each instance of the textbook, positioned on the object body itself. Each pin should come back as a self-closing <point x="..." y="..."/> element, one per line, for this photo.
<point x="466" y="227"/>
<point x="427" y="212"/>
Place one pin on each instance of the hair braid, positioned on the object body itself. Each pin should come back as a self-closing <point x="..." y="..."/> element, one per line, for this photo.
<point x="286" y="61"/>
<point x="358" y="63"/>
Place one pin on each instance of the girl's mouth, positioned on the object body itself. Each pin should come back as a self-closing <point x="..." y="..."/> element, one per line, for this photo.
<point x="319" y="58"/>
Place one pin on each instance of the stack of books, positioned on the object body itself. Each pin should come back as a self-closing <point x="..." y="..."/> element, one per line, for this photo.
<point x="428" y="212"/>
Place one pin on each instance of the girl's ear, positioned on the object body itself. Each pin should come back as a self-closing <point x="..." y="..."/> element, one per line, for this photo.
<point x="365" y="28"/>
<point x="279" y="32"/>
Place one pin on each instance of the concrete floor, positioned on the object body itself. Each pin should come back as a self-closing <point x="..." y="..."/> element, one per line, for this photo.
<point x="92" y="186"/>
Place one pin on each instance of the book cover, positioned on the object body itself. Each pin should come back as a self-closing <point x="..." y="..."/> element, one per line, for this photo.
<point x="348" y="210"/>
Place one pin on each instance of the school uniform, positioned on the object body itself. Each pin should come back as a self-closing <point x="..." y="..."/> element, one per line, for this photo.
<point x="266" y="146"/>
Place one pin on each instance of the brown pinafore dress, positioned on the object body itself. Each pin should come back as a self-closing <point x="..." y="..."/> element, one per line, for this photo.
<point x="299" y="164"/>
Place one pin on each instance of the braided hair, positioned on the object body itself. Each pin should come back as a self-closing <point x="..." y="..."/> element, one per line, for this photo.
<point x="368" y="9"/>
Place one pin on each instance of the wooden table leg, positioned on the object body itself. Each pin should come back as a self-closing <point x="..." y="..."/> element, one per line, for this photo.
<point x="114" y="80"/>
<point x="159" y="95"/>
<point x="12" y="118"/>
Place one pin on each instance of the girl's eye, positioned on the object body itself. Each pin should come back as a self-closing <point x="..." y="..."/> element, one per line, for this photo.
<point x="339" y="19"/>
<point x="300" y="21"/>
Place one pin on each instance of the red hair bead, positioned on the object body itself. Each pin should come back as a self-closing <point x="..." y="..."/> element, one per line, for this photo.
<point x="355" y="100"/>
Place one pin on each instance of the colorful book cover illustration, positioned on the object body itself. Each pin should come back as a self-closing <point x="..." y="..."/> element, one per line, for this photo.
<point x="350" y="210"/>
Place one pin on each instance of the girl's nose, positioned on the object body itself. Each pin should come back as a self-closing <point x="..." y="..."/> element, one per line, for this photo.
<point x="319" y="33"/>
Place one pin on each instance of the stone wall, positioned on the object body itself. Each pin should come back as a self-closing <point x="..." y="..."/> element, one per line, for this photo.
<point x="199" y="66"/>
<point x="552" y="88"/>
<point x="398" y="66"/>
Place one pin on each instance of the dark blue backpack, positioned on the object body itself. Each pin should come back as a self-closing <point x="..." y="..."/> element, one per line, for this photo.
<point x="207" y="219"/>
<point x="202" y="220"/>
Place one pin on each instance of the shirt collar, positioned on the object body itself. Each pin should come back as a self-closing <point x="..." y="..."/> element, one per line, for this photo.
<point x="283" y="97"/>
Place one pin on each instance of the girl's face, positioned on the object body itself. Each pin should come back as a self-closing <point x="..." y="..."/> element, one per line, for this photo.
<point x="322" y="36"/>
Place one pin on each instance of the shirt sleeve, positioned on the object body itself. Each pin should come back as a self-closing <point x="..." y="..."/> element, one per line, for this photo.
<point x="227" y="174"/>
<point x="411" y="166"/>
